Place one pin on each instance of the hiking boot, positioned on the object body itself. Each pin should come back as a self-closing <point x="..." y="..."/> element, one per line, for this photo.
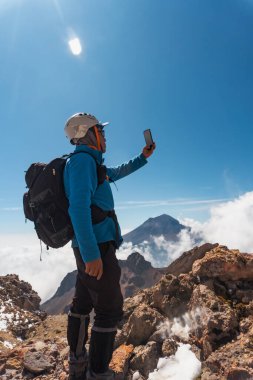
<point x="108" y="375"/>
<point x="77" y="366"/>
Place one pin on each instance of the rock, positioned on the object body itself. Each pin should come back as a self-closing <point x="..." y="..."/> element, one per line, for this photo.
<point x="19" y="306"/>
<point x="36" y="362"/>
<point x="225" y="264"/>
<point x="131" y="303"/>
<point x="141" y="325"/>
<point x="64" y="353"/>
<point x="39" y="345"/>
<point x="244" y="295"/>
<point x="218" y="320"/>
<point x="63" y="376"/>
<point x="120" y="360"/>
<point x="184" y="263"/>
<point x="14" y="363"/>
<point x="171" y="295"/>
<point x="21" y="292"/>
<point x="239" y="374"/>
<point x="2" y="368"/>
<point x="235" y="354"/>
<point x="145" y="358"/>
<point x="217" y="325"/>
<point x="246" y="325"/>
<point x="169" y="347"/>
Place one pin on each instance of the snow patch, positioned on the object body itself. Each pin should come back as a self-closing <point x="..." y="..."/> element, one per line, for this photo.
<point x="5" y="318"/>
<point x="8" y="344"/>
<point x="183" y="365"/>
<point x="136" y="375"/>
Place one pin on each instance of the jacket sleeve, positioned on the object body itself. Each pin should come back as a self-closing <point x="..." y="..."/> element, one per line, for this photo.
<point x="82" y="184"/>
<point x="127" y="168"/>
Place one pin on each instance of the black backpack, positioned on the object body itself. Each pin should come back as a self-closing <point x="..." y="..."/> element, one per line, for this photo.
<point x="46" y="204"/>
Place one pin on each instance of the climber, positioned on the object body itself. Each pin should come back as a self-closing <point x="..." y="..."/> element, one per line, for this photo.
<point x="97" y="236"/>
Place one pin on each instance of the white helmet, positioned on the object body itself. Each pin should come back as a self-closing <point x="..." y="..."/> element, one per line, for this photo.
<point x="77" y="125"/>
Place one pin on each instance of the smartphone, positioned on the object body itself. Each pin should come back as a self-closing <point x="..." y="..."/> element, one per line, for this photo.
<point x="148" y="137"/>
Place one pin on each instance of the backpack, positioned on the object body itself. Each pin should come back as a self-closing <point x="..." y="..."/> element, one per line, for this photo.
<point x="46" y="204"/>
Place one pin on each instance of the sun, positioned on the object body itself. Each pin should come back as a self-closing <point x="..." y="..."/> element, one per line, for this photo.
<point x="75" y="46"/>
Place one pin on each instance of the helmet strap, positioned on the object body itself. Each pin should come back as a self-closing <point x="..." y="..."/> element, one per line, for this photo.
<point x="93" y="147"/>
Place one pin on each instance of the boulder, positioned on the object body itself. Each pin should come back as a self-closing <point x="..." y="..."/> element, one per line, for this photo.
<point x="218" y="323"/>
<point x="37" y="362"/>
<point x="141" y="325"/>
<point x="171" y="294"/>
<point x="145" y="358"/>
<point x="225" y="264"/>
<point x="120" y="360"/>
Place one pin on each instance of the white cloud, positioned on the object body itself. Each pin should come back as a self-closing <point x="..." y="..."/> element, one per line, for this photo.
<point x="167" y="202"/>
<point x="160" y="252"/>
<point x="182" y="365"/>
<point x="11" y="209"/>
<point x="20" y="254"/>
<point x="231" y="224"/>
<point x="144" y="249"/>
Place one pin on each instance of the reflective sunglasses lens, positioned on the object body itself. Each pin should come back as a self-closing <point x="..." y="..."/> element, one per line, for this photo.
<point x="101" y="130"/>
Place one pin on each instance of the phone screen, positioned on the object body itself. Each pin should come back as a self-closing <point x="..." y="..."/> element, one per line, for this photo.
<point x="148" y="137"/>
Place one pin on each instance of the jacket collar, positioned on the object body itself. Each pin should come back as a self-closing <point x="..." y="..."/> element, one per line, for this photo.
<point x="95" y="153"/>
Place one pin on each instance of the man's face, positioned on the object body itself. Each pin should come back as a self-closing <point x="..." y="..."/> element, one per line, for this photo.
<point x="102" y="139"/>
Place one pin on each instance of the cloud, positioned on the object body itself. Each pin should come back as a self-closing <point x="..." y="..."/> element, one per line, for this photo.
<point x="168" y="202"/>
<point x="230" y="224"/>
<point x="20" y="254"/>
<point x="11" y="209"/>
<point x="159" y="251"/>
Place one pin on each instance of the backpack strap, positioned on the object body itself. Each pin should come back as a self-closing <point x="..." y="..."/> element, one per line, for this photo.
<point x="101" y="169"/>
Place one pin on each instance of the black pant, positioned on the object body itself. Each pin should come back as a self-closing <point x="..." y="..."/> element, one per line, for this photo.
<point x="103" y="295"/>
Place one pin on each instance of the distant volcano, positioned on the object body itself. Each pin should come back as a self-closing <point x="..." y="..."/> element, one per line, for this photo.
<point x="161" y="225"/>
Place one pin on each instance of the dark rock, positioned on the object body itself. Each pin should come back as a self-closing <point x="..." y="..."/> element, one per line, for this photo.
<point x="141" y="325"/>
<point x="145" y="358"/>
<point x="169" y="347"/>
<point x="136" y="263"/>
<point x="36" y="362"/>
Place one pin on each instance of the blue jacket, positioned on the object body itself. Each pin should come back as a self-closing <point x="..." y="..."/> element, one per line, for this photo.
<point x="80" y="182"/>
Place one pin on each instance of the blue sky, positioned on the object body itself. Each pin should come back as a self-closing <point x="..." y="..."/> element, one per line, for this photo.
<point x="182" y="68"/>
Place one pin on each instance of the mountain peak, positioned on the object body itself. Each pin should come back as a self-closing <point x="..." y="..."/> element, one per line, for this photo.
<point x="163" y="224"/>
<point x="137" y="263"/>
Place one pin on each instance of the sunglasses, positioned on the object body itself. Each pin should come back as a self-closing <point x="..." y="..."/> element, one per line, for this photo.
<point x="101" y="129"/>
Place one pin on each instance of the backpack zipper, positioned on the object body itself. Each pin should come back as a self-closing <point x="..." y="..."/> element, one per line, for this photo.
<point x="52" y="222"/>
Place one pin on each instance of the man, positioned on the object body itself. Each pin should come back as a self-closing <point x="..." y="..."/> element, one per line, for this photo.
<point x="97" y="236"/>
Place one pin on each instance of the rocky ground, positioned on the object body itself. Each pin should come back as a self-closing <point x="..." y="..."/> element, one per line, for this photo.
<point x="209" y="306"/>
